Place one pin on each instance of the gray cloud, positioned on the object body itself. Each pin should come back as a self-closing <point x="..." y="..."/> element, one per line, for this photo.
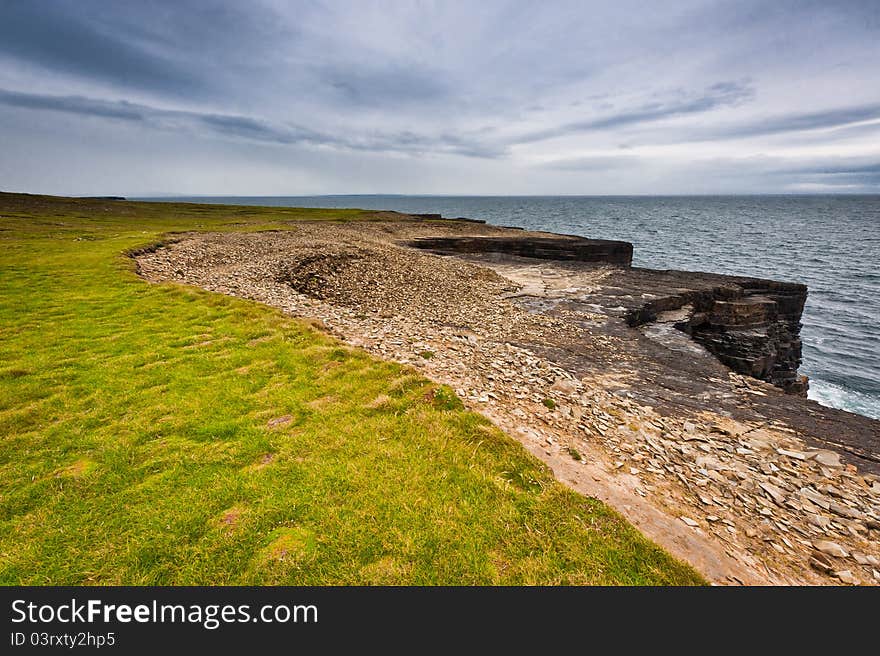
<point x="718" y="95"/>
<point x="798" y="122"/>
<point x="596" y="163"/>
<point x="53" y="36"/>
<point x="378" y="88"/>
<point x="838" y="168"/>
<point x="244" y="127"/>
<point x="253" y="129"/>
<point x="74" y="105"/>
<point x="836" y="173"/>
<point x="441" y="97"/>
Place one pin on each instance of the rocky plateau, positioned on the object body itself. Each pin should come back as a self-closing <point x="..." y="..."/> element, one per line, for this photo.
<point x="673" y="396"/>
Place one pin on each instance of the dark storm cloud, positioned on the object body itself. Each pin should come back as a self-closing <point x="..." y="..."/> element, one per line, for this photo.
<point x="231" y="126"/>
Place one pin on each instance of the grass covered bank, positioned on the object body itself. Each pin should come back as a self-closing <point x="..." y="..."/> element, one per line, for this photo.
<point x="158" y="434"/>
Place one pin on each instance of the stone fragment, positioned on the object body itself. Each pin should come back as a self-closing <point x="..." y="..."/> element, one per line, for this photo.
<point x="830" y="489"/>
<point x="815" y="497"/>
<point x="821" y="563"/>
<point x="564" y="385"/>
<point x="856" y="529"/>
<point x="828" y="458"/>
<point x="709" y="463"/>
<point x="818" y="520"/>
<point x="775" y="493"/>
<point x="690" y="522"/>
<point x="847" y="577"/>
<point x="279" y="421"/>
<point x="843" y="511"/>
<point x="830" y="548"/>
<point x="797" y="455"/>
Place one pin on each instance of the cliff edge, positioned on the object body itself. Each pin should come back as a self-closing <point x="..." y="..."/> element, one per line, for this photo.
<point x="662" y="393"/>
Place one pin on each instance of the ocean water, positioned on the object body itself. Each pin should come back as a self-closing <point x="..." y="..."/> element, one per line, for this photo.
<point x="831" y="243"/>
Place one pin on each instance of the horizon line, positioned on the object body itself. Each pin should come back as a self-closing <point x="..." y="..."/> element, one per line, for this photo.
<point x="453" y="195"/>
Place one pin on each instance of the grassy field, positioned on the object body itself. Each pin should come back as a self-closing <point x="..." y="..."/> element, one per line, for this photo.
<point x="160" y="434"/>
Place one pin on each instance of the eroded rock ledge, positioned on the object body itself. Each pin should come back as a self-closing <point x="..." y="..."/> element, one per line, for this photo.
<point x="752" y="325"/>
<point x="557" y="247"/>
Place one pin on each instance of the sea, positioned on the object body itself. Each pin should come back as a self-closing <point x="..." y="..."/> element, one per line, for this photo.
<point x="829" y="242"/>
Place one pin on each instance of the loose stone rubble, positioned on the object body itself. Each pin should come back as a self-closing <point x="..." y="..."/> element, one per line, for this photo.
<point x="747" y="489"/>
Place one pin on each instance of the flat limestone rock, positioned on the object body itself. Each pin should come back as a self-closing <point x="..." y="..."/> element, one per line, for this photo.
<point x="847" y="577"/>
<point x="830" y="548"/>
<point x="565" y="385"/>
<point x="821" y="563"/>
<point x="797" y="455"/>
<point x="775" y="493"/>
<point x="828" y="458"/>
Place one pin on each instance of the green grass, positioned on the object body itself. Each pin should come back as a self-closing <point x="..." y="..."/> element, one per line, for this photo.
<point x="161" y="434"/>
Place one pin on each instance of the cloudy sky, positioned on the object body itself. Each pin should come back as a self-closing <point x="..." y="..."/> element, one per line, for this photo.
<point x="282" y="98"/>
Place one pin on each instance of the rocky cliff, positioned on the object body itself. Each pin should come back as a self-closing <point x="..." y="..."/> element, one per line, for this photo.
<point x="749" y="324"/>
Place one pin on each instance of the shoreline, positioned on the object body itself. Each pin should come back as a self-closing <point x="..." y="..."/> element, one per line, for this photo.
<point x="714" y="466"/>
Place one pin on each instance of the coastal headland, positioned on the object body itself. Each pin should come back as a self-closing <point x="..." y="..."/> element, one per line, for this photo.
<point x="161" y="434"/>
<point x="673" y="396"/>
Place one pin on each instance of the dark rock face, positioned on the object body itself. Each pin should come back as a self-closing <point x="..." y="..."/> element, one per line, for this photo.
<point x="560" y="247"/>
<point x="757" y="333"/>
<point x="751" y="325"/>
